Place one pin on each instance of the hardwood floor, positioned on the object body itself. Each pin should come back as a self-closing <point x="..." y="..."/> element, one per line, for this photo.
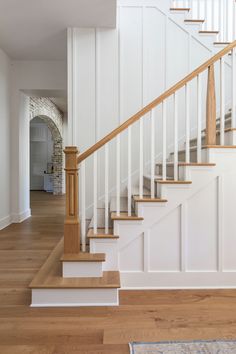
<point x="142" y="315"/>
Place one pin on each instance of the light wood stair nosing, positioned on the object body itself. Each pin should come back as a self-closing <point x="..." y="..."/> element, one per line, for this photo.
<point x="84" y="257"/>
<point x="194" y="21"/>
<point x="102" y="235"/>
<point x="149" y="200"/>
<point x="173" y="182"/>
<point x="124" y="216"/>
<point x="180" y="9"/>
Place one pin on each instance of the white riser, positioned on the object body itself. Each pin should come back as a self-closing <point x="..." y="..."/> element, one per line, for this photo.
<point x="74" y="297"/>
<point x="81" y="269"/>
<point x="183" y="243"/>
<point x="110" y="248"/>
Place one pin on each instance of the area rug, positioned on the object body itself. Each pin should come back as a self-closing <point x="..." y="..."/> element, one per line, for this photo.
<point x="194" y="347"/>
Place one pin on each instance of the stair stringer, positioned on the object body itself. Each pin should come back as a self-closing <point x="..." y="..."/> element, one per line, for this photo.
<point x="205" y="259"/>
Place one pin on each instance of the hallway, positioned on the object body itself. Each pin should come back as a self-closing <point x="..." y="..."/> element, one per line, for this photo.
<point x="142" y="315"/>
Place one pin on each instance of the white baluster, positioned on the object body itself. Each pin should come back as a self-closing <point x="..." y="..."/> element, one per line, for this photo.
<point x="234" y="20"/>
<point x="222" y="101"/>
<point x="220" y="36"/>
<point x="129" y="170"/>
<point x="198" y="9"/>
<point x="213" y="15"/>
<point x="83" y="207"/>
<point x="206" y="17"/>
<point x="164" y="140"/>
<point x="187" y="124"/>
<point x="141" y="158"/>
<point x="199" y="119"/>
<point x="118" y="175"/>
<point x="152" y="154"/>
<point x="175" y="137"/>
<point x="233" y="124"/>
<point x="226" y="20"/>
<point x="95" y="196"/>
<point x="191" y="7"/>
<point x="106" y="188"/>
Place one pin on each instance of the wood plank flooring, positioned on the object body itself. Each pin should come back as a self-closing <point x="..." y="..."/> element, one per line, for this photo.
<point x="142" y="315"/>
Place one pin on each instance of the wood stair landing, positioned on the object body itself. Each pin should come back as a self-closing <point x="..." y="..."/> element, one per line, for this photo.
<point x="50" y="276"/>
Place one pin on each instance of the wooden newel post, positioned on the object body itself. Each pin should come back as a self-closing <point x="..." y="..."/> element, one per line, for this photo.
<point x="72" y="224"/>
<point x="211" y="108"/>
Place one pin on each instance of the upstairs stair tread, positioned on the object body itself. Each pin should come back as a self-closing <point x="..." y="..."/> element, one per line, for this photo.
<point x="50" y="276"/>
<point x="148" y="199"/>
<point x="180" y="9"/>
<point x="194" y="21"/>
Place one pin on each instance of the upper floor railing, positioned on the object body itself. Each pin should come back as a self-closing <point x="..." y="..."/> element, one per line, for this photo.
<point x="217" y="16"/>
<point x="191" y="98"/>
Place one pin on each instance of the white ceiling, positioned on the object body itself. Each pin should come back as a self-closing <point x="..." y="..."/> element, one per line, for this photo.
<point x="36" y="29"/>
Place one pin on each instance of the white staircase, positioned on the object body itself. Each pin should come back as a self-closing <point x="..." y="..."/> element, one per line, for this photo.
<point x="173" y="224"/>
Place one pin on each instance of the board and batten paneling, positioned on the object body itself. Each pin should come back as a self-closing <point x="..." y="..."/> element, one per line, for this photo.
<point x="115" y="72"/>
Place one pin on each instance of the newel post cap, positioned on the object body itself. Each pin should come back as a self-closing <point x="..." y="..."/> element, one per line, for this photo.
<point x="71" y="150"/>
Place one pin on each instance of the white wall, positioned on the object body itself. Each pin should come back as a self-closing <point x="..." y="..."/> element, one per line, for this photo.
<point x="26" y="76"/>
<point x="5" y="212"/>
<point x="114" y="73"/>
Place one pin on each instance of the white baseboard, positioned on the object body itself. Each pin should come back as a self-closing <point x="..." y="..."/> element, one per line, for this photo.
<point x="4" y="222"/>
<point x="18" y="218"/>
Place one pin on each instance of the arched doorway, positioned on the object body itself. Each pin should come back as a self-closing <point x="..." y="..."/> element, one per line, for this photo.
<point x="45" y="110"/>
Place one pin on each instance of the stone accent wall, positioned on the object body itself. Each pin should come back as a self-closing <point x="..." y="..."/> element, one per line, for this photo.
<point x="45" y="109"/>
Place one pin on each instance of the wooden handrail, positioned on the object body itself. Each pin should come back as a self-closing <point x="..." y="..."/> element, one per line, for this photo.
<point x="156" y="102"/>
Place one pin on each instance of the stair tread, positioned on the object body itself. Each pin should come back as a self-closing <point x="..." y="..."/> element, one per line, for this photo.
<point x="180" y="9"/>
<point x="189" y="164"/>
<point x="172" y="182"/>
<point x="125" y="216"/>
<point x="102" y="234"/>
<point x="210" y="32"/>
<point x="149" y="199"/>
<point x="84" y="257"/>
<point x="194" y="20"/>
<point x="50" y="276"/>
